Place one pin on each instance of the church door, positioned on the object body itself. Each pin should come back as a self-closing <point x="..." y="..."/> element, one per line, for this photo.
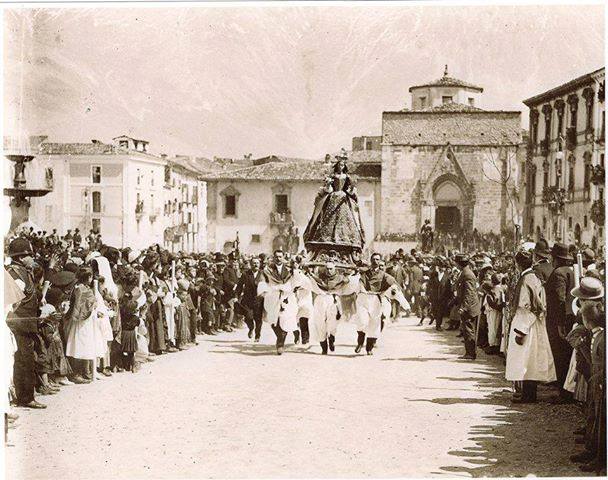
<point x="447" y="219"/>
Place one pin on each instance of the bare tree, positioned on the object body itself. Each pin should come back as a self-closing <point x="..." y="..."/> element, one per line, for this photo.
<point x="503" y="161"/>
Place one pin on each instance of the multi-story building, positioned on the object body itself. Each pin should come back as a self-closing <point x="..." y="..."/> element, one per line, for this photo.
<point x="268" y="205"/>
<point x="184" y="210"/>
<point x="116" y="189"/>
<point x="450" y="162"/>
<point x="565" y="162"/>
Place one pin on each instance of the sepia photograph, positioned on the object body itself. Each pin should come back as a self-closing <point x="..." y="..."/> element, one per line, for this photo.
<point x="274" y="240"/>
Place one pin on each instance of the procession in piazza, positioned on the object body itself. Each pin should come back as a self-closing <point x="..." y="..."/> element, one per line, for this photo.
<point x="429" y="299"/>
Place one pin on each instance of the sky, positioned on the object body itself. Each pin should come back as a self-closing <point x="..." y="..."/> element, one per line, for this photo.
<point x="299" y="81"/>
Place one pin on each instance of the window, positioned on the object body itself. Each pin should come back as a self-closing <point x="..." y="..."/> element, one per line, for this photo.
<point x="587" y="180"/>
<point x="138" y="176"/>
<point x="545" y="178"/>
<point x="571" y="177"/>
<point x="189" y="217"/>
<point x="544" y="223"/>
<point x="281" y="203"/>
<point x="422" y="101"/>
<point x="570" y="222"/>
<point x="471" y="102"/>
<point x="96" y="225"/>
<point x="96" y="174"/>
<point x="585" y="221"/>
<point x="368" y="145"/>
<point x="446" y="99"/>
<point x="152" y="178"/>
<point x="255" y="238"/>
<point x="230" y="206"/>
<point x="123" y="144"/>
<point x="48" y="178"/>
<point x="152" y="202"/>
<point x="96" y="202"/>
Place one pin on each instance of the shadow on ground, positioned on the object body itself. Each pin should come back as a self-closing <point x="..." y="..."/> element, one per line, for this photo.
<point x="520" y="439"/>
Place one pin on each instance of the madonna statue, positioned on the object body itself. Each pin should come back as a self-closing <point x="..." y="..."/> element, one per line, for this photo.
<point x="335" y="224"/>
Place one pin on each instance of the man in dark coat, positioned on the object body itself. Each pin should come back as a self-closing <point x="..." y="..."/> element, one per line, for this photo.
<point x="439" y="294"/>
<point x="23" y="322"/>
<point x="77" y="238"/>
<point x="251" y="303"/>
<point x="469" y="306"/>
<point x="560" y="317"/>
<point x="415" y="285"/>
<point x="543" y="267"/>
<point x="230" y="278"/>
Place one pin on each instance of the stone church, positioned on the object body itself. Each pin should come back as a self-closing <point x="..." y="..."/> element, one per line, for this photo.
<point x="451" y="162"/>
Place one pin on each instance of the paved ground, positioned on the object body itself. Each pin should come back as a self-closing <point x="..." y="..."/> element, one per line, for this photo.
<point x="231" y="408"/>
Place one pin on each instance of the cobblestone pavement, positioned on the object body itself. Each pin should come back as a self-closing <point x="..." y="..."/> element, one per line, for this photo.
<point x="232" y="408"/>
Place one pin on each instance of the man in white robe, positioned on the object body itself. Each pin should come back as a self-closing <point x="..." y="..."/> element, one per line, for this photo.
<point x="280" y="302"/>
<point x="529" y="356"/>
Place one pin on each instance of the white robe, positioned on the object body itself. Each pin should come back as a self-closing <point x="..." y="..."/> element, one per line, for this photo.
<point x="325" y="313"/>
<point x="533" y="360"/>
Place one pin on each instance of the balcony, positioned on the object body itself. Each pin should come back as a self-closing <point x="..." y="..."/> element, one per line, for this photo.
<point x="139" y="210"/>
<point x="571" y="138"/>
<point x="555" y="198"/>
<point x="153" y="214"/>
<point x="281" y="219"/>
<point x="598" y="215"/>
<point x="598" y="175"/>
<point x="544" y="147"/>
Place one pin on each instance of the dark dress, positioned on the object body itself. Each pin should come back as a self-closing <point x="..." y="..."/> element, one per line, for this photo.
<point x="336" y="220"/>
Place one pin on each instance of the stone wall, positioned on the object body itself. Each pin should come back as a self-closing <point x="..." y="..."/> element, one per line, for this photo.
<point x="410" y="174"/>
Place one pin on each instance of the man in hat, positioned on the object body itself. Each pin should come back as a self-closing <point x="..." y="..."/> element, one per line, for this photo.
<point x="439" y="293"/>
<point x="415" y="278"/>
<point x="230" y="279"/>
<point x="469" y="307"/>
<point x="590" y="294"/>
<point x="77" y="238"/>
<point x="542" y="266"/>
<point x="588" y="259"/>
<point x="529" y="358"/>
<point x="23" y="322"/>
<point x="560" y="317"/>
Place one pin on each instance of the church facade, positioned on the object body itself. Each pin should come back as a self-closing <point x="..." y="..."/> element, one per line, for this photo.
<point x="450" y="162"/>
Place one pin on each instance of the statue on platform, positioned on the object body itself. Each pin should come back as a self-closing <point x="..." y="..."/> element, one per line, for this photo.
<point x="335" y="226"/>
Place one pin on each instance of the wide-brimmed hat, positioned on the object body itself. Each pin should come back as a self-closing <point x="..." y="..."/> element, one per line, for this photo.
<point x="461" y="258"/>
<point x="590" y="288"/>
<point x="542" y="248"/>
<point x="560" y="250"/>
<point x="133" y="255"/>
<point x="588" y="257"/>
<point x="62" y="279"/>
